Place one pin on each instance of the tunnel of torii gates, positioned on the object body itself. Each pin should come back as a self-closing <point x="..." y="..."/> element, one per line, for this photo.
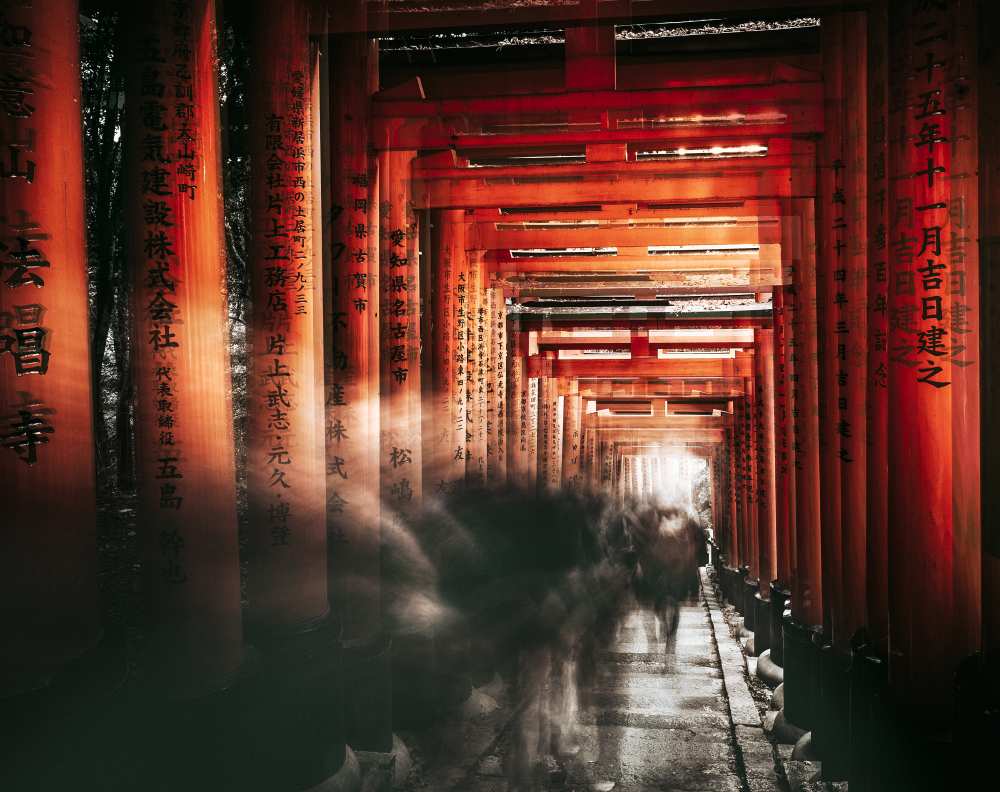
<point x="768" y="265"/>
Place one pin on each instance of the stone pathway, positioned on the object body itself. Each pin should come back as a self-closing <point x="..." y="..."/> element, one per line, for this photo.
<point x="659" y="722"/>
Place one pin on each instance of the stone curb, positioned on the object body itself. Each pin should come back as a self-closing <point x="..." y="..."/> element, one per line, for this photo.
<point x="755" y="754"/>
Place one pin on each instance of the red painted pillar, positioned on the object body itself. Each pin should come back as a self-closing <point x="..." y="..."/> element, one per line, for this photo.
<point x="477" y="352"/>
<point x="496" y="450"/>
<point x="733" y="547"/>
<point x="851" y="347"/>
<point x="448" y="434"/>
<point x="934" y="523"/>
<point x="752" y="456"/>
<point x="800" y="307"/>
<point x="989" y="218"/>
<point x="831" y="267"/>
<point x="287" y="577"/>
<point x="764" y="429"/>
<point x="49" y="562"/>
<point x="523" y="409"/>
<point x="399" y="289"/>
<point x="183" y="419"/>
<point x="966" y="326"/>
<point x="877" y="319"/>
<point x="784" y="480"/>
<point x="352" y="422"/>
<point x="572" y="444"/>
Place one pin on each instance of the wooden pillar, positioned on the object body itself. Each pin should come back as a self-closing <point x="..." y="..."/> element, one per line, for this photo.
<point x="784" y="479"/>
<point x="764" y="427"/>
<point x="534" y="393"/>
<point x="746" y="505"/>
<point x="399" y="321"/>
<point x="733" y="543"/>
<point x="935" y="561"/>
<point x="572" y="453"/>
<point x="718" y="497"/>
<point x="183" y="418"/>
<point x="832" y="209"/>
<point x="549" y="427"/>
<point x="989" y="218"/>
<point x="851" y="351"/>
<point x="350" y="262"/>
<point x="446" y="470"/>
<point x="477" y="353"/>
<point x="593" y="457"/>
<point x="496" y="404"/>
<point x="800" y="307"/>
<point x="557" y="406"/>
<point x="877" y="319"/>
<point x="49" y="567"/>
<point x="517" y="408"/>
<point x="752" y="464"/>
<point x="287" y="577"/>
<point x="966" y="323"/>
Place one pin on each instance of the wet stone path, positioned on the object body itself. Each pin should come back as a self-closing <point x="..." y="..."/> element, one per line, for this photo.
<point x="653" y="721"/>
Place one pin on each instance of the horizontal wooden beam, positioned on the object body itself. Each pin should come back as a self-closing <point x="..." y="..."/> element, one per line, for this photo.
<point x="526" y="322"/>
<point x="745" y="208"/>
<point x="687" y="388"/>
<point x="688" y="423"/>
<point x="650" y="447"/>
<point x="633" y="434"/>
<point x="678" y="346"/>
<point x="487" y="236"/>
<point x="652" y="367"/>
<point x="428" y="15"/>
<point x="635" y="72"/>
<point x="486" y="192"/>
<point x="652" y="265"/>
<point x="779" y="156"/>
<point x="682" y="286"/>
<point x="680" y="102"/>
<point x="438" y="134"/>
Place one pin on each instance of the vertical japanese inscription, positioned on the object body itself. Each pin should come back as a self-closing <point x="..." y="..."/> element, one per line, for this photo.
<point x="27" y="423"/>
<point x="169" y="149"/>
<point x="401" y="463"/>
<point x="283" y="306"/>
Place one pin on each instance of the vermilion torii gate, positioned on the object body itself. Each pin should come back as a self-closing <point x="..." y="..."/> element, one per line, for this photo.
<point x="555" y="278"/>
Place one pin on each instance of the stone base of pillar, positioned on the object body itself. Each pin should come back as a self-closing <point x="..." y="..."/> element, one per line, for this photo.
<point x="832" y="728"/>
<point x="769" y="672"/>
<point x="63" y="734"/>
<point x="368" y="694"/>
<point x="801" y="671"/>
<point x="495" y="687"/>
<point x="290" y="718"/>
<point x="478" y="704"/>
<point x="762" y="622"/>
<point x="869" y="685"/>
<point x="779" y="602"/>
<point x="384" y="770"/>
<point x="778" y="697"/>
<point x="805" y="750"/>
<point x="418" y="680"/>
<point x="347" y="779"/>
<point x="732" y="588"/>
<point x="977" y="702"/>
<point x="781" y="730"/>
<point x="750" y="587"/>
<point x="749" y="645"/>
